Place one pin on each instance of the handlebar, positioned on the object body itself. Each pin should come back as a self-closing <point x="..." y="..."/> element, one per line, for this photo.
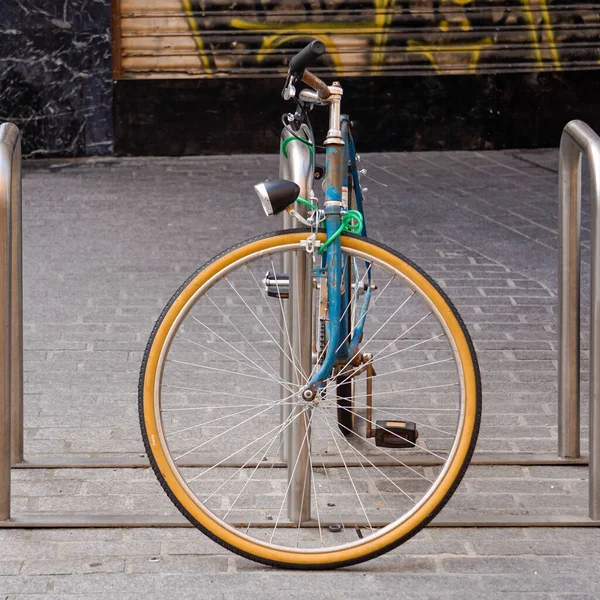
<point x="316" y="84"/>
<point x="306" y="56"/>
<point x="300" y="61"/>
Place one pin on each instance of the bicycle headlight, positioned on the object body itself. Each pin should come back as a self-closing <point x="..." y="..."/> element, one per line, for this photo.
<point x="275" y="196"/>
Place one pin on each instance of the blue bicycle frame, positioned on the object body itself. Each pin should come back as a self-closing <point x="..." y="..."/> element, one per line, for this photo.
<point x="342" y="340"/>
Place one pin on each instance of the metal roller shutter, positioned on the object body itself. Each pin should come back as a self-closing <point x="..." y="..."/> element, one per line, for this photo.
<point x="214" y="38"/>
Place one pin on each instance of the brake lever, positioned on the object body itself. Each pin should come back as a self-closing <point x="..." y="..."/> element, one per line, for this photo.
<point x="289" y="89"/>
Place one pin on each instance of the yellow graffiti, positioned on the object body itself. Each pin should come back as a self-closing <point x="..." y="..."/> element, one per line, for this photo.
<point x="550" y="34"/>
<point x="354" y="45"/>
<point x="187" y="7"/>
<point x="533" y="32"/>
<point x="323" y="32"/>
<point x="536" y="38"/>
<point x="431" y="51"/>
<point x="383" y="19"/>
<point x="285" y="33"/>
<point x="460" y="2"/>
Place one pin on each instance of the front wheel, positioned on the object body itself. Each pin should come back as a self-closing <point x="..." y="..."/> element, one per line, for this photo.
<point x="219" y="421"/>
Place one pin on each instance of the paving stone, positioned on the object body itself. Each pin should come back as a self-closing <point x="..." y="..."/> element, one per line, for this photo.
<point x="103" y="252"/>
<point x="23" y="584"/>
<point x="521" y="548"/>
<point x="187" y="563"/>
<point x="542" y="472"/>
<point x="515" y="585"/>
<point x="108" y="548"/>
<point x="15" y="546"/>
<point x="509" y="565"/>
<point x="196" y="544"/>
<point x="69" y="535"/>
<point x="578" y="564"/>
<point x="10" y="567"/>
<point x="69" y="566"/>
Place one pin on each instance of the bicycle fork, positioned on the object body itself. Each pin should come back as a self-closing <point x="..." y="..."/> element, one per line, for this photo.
<point x="334" y="296"/>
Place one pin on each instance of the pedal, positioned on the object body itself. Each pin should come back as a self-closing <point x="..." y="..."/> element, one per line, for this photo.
<point x="396" y="434"/>
<point x="277" y="285"/>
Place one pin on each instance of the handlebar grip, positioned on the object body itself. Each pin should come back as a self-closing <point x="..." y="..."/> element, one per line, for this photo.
<point x="306" y="56"/>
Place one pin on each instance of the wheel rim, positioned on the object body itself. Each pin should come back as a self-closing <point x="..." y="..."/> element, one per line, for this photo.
<point x="297" y="547"/>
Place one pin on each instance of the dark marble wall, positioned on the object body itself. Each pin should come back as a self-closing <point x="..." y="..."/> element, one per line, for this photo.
<point x="55" y="75"/>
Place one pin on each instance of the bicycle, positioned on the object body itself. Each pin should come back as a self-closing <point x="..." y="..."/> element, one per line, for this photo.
<point x="256" y="395"/>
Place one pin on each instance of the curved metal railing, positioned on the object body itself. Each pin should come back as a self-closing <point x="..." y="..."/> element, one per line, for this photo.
<point x="578" y="140"/>
<point x="11" y="305"/>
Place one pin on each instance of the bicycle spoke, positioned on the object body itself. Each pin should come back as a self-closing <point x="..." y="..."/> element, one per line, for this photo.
<point x="263" y="325"/>
<point x="291" y="477"/>
<point x="251" y="365"/>
<point x="283" y="330"/>
<point x="435" y="337"/>
<point x="399" y="436"/>
<point x="259" y="496"/>
<point x="314" y="486"/>
<point x="417" y="389"/>
<point x="234" y="453"/>
<point x="229" y="372"/>
<point x="241" y="412"/>
<point x="371" y="304"/>
<point x="241" y="334"/>
<point x="324" y="351"/>
<point x="350" y="478"/>
<point x="356" y="404"/>
<point x="396" y="459"/>
<point x="208" y="392"/>
<point x="357" y="452"/>
<point x="401" y="336"/>
<point x="330" y="486"/>
<point x="285" y="323"/>
<point x="372" y="359"/>
<point x="268" y="445"/>
<point x="435" y="362"/>
<point x="227" y="431"/>
<point x="162" y="410"/>
<point x="306" y="472"/>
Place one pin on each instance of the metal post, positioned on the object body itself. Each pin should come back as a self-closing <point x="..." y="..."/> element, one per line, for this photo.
<point x="297" y="167"/>
<point x="298" y="464"/>
<point x="285" y="366"/>
<point x="594" y="428"/>
<point x="569" y="223"/>
<point x="16" y="325"/>
<point x="9" y="145"/>
<point x="577" y="139"/>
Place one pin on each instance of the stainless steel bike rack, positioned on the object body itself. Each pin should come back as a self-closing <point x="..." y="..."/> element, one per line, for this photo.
<point x="296" y="166"/>
<point x="11" y="316"/>
<point x="577" y="140"/>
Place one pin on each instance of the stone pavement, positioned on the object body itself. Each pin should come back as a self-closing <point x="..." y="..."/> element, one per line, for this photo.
<point x="106" y="242"/>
